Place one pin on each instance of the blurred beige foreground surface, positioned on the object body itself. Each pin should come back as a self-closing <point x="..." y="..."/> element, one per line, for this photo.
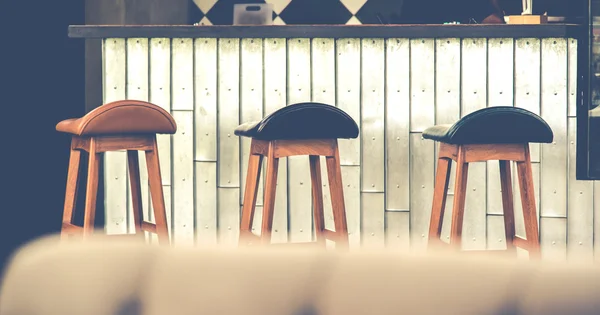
<point x="117" y="277"/>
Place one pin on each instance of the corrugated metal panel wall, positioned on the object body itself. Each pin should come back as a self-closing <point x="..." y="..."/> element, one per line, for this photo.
<point x="394" y="88"/>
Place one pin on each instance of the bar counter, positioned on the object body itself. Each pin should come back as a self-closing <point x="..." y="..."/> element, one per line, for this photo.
<point x="394" y="80"/>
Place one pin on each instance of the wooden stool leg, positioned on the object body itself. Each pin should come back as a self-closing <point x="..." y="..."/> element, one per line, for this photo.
<point x="269" y="196"/>
<point x="71" y="192"/>
<point x="250" y="193"/>
<point x="136" y="190"/>
<point x="157" y="195"/>
<point x="507" y="205"/>
<point x="336" y="189"/>
<point x="528" y="204"/>
<point x="91" y="190"/>
<point x="460" y="194"/>
<point x="442" y="178"/>
<point x="317" y="193"/>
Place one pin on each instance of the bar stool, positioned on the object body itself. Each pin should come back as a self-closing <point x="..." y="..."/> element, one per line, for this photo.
<point x="300" y="129"/>
<point x="123" y="125"/>
<point x="493" y="133"/>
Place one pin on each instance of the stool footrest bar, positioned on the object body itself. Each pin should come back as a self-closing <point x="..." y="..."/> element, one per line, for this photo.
<point x="521" y="242"/>
<point x="330" y="235"/>
<point x="70" y="228"/>
<point x="148" y="227"/>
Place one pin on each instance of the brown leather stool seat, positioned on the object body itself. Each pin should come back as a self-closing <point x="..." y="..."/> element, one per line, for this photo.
<point x="121" y="117"/>
<point x="494" y="133"/>
<point x="122" y="125"/>
<point x="302" y="121"/>
<point x="300" y="129"/>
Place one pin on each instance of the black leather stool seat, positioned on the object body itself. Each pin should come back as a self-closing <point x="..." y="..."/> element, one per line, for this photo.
<point x="493" y="125"/>
<point x="302" y="121"/>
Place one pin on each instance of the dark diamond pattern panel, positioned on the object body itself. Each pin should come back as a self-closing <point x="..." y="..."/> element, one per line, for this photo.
<point x="307" y="12"/>
<point x="194" y="13"/>
<point x="222" y="12"/>
<point x="380" y="12"/>
<point x="315" y="12"/>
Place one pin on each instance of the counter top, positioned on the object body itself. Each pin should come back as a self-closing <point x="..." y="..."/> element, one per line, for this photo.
<point x="329" y="31"/>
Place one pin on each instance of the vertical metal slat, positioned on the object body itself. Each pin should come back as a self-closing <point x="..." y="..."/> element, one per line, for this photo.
<point x="373" y="115"/>
<point x="206" y="203"/>
<point x="275" y="95"/>
<point x="421" y="194"/>
<point x="553" y="185"/>
<point x="397" y="128"/>
<point x="137" y="89"/>
<point x="251" y="101"/>
<point x="323" y="91"/>
<point x="422" y="85"/>
<point x="348" y="99"/>
<point x="115" y="163"/>
<point x="527" y="89"/>
<point x="299" y="90"/>
<point x="228" y="165"/>
<point x="348" y="93"/>
<point x="580" y="206"/>
<point x="160" y="94"/>
<point x="474" y="97"/>
<point x="205" y="140"/>
<point x="553" y="238"/>
<point x="205" y="107"/>
<point x="500" y="93"/>
<point x="373" y="220"/>
<point x="183" y="178"/>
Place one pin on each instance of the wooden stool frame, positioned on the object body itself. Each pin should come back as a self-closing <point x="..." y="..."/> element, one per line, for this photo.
<point x="95" y="146"/>
<point x="504" y="153"/>
<point x="275" y="149"/>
